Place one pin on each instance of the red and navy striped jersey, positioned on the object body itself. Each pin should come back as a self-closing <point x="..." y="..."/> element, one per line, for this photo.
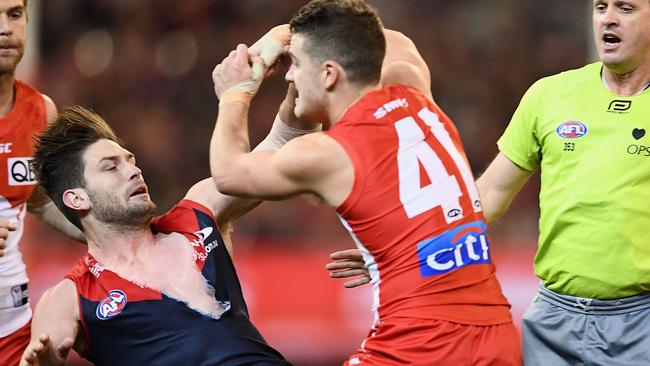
<point x="126" y="324"/>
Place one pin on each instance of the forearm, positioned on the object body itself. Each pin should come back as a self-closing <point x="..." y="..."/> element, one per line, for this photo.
<point x="499" y="185"/>
<point x="44" y="209"/>
<point x="229" y="141"/>
<point x="495" y="202"/>
<point x="50" y="214"/>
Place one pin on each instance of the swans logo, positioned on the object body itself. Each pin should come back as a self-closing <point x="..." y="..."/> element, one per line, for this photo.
<point x="112" y="305"/>
<point x="571" y="130"/>
<point x="456" y="248"/>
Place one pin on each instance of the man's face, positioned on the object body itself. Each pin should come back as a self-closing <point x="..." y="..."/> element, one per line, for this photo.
<point x="13" y="26"/>
<point x="622" y="33"/>
<point x="117" y="191"/>
<point x="308" y="79"/>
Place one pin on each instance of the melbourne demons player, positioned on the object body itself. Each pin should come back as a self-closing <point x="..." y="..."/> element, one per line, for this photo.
<point x="150" y="290"/>
<point x="393" y="167"/>
<point x="24" y="113"/>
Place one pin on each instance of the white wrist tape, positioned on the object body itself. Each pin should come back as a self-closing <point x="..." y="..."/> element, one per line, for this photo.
<point x="280" y="134"/>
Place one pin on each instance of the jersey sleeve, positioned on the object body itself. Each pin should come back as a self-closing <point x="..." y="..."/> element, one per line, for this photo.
<point x="520" y="142"/>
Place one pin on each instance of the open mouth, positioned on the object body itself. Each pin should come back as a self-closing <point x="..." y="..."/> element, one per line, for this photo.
<point x="611" y="39"/>
<point x="138" y="191"/>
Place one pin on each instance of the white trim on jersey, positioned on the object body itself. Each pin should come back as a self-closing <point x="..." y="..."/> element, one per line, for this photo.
<point x="12" y="268"/>
<point x="371" y="264"/>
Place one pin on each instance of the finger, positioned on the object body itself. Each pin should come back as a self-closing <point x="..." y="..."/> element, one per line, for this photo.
<point x="357" y="282"/>
<point x="241" y="53"/>
<point x="344" y="265"/>
<point x="347" y="254"/>
<point x="2" y="253"/>
<point x="347" y="273"/>
<point x="4" y="232"/>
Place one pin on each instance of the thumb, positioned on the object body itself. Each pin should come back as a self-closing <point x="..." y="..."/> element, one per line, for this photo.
<point x="258" y="68"/>
<point x="64" y="348"/>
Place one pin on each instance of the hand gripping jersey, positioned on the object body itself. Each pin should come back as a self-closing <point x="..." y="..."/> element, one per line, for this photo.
<point x="415" y="213"/>
<point x="125" y="324"/>
<point x="17" y="182"/>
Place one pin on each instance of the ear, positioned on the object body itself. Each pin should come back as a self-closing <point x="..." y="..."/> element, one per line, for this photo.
<point x="332" y="74"/>
<point x="77" y="199"/>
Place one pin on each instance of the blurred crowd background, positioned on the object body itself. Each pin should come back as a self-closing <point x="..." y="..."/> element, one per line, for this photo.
<point x="146" y="67"/>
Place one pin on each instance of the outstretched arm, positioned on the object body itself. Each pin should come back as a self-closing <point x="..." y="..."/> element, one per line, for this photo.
<point x="55" y="327"/>
<point x="499" y="185"/>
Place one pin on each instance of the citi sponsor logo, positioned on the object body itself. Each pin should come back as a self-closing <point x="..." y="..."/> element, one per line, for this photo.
<point x="112" y="305"/>
<point x="457" y="248"/>
<point x="571" y="129"/>
<point x="390" y="106"/>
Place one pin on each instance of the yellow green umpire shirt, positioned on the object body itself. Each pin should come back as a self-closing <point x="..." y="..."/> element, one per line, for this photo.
<point x="593" y="148"/>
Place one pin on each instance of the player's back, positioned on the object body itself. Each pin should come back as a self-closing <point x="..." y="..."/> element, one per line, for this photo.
<point x="415" y="212"/>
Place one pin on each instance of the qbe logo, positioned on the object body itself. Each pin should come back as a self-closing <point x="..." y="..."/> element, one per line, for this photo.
<point x="571" y="129"/>
<point x="21" y="171"/>
<point x="464" y="245"/>
<point x="112" y="305"/>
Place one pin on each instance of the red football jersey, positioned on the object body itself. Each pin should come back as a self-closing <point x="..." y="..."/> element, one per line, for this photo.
<point x="415" y="212"/>
<point x="18" y="128"/>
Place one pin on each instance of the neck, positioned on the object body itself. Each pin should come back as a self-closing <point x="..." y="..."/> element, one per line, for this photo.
<point x="6" y="93"/>
<point x="346" y="98"/>
<point x="626" y="83"/>
<point x="113" y="246"/>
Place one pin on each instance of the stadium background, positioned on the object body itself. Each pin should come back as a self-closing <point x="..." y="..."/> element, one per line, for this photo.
<point x="145" y="66"/>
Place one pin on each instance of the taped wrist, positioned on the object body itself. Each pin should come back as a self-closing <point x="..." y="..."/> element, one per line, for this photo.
<point x="271" y="45"/>
<point x="280" y="134"/>
<point x="246" y="90"/>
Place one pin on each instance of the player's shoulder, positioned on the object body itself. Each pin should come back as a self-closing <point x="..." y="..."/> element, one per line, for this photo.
<point x="186" y="217"/>
<point x="574" y="78"/>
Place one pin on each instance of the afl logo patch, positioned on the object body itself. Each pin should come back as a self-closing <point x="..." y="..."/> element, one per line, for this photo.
<point x="112" y="305"/>
<point x="571" y="130"/>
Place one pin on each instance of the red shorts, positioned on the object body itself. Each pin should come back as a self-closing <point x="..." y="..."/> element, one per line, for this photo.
<point x="13" y="345"/>
<point x="419" y="342"/>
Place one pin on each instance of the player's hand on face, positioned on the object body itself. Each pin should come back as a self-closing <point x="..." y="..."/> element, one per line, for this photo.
<point x="349" y="263"/>
<point x="238" y="73"/>
<point x="43" y="351"/>
<point x="6" y="227"/>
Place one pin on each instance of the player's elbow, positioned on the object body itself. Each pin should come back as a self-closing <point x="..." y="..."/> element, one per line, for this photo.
<point x="222" y="181"/>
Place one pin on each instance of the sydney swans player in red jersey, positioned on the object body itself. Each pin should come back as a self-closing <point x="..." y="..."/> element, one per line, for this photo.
<point x="393" y="167"/>
<point x="24" y="113"/>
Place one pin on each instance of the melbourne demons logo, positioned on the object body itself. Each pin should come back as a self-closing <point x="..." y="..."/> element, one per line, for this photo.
<point x="456" y="248"/>
<point x="571" y="129"/>
<point x="112" y="305"/>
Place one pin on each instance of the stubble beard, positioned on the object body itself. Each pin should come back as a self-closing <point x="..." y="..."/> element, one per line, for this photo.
<point x="8" y="64"/>
<point x="107" y="209"/>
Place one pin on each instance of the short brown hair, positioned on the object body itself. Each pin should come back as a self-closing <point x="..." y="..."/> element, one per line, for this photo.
<point x="346" y="31"/>
<point x="58" y="157"/>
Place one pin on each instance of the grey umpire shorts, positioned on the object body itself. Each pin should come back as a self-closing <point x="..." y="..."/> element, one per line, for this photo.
<point x="566" y="330"/>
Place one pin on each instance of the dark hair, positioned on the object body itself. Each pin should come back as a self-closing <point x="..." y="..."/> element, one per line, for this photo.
<point x="346" y="31"/>
<point x="58" y="153"/>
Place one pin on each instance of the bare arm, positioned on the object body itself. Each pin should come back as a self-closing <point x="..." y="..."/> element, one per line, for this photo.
<point x="404" y="65"/>
<point x="499" y="185"/>
<point x="45" y="210"/>
<point x="55" y="326"/>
